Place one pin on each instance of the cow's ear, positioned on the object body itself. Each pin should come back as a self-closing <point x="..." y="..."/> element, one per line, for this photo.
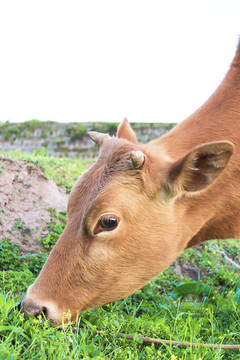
<point x="126" y="132"/>
<point x="199" y="168"/>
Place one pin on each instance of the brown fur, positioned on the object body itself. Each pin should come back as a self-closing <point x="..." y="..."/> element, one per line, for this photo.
<point x="180" y="196"/>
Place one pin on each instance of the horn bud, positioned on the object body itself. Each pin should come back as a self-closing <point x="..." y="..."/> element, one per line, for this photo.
<point x="98" y="137"/>
<point x="137" y="159"/>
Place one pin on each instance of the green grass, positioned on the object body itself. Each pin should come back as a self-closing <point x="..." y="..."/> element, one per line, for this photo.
<point x="169" y="307"/>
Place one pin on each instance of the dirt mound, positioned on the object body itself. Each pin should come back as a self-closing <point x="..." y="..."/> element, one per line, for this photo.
<point x="25" y="196"/>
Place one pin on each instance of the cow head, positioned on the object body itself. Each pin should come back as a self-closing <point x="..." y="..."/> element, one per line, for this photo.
<point x="128" y="220"/>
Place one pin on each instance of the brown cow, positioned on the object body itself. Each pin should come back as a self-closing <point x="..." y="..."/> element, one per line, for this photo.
<point x="133" y="212"/>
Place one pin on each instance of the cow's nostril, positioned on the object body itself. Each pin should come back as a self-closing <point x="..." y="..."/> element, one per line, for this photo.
<point x="44" y="312"/>
<point x="36" y="312"/>
<point x="39" y="311"/>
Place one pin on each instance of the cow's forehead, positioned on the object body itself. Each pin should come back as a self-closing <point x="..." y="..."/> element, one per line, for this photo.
<point x="113" y="162"/>
<point x="115" y="150"/>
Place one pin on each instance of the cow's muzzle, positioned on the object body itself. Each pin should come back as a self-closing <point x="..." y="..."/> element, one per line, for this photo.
<point x="32" y="309"/>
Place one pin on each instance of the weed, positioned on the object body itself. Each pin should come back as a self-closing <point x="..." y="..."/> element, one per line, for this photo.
<point x="55" y="226"/>
<point x="9" y="259"/>
<point x="22" y="227"/>
<point x="34" y="262"/>
<point x="1" y="168"/>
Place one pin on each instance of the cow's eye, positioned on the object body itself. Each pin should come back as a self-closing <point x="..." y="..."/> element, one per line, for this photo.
<point x="106" y="222"/>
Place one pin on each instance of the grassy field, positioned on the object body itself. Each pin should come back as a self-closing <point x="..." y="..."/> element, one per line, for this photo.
<point x="204" y="310"/>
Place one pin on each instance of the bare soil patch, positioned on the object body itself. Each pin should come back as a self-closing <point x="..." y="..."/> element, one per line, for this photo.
<point x="25" y="196"/>
<point x="187" y="271"/>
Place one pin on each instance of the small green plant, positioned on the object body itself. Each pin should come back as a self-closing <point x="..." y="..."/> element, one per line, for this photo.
<point x="9" y="259"/>
<point x="5" y="304"/>
<point x="1" y="168"/>
<point x="55" y="226"/>
<point x="34" y="262"/>
<point x="190" y="287"/>
<point x="20" y="225"/>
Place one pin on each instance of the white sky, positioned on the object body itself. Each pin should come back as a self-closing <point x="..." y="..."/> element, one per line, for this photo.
<point x="101" y="60"/>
